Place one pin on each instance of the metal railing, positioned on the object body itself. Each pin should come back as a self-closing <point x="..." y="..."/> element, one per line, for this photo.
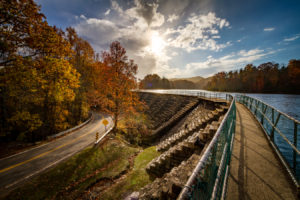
<point x="199" y="93"/>
<point x="209" y="178"/>
<point x="282" y="131"/>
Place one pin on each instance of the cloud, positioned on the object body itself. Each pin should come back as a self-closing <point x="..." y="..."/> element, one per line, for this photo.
<point x="107" y="12"/>
<point x="229" y="62"/>
<point x="135" y="26"/>
<point x="115" y="6"/>
<point x="174" y="53"/>
<point x="199" y="32"/>
<point x="290" y="39"/>
<point x="268" y="29"/>
<point x="98" y="31"/>
<point x="149" y="12"/>
<point x="143" y="13"/>
<point x="172" y="18"/>
<point x="244" y="53"/>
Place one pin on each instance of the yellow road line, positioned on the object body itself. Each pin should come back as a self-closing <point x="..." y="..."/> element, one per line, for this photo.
<point x="43" y="154"/>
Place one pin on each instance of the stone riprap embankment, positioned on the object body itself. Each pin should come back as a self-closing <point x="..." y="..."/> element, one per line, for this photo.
<point x="164" y="111"/>
<point x="181" y="150"/>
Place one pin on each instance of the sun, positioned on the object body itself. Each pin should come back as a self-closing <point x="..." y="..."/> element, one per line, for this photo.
<point x="157" y="43"/>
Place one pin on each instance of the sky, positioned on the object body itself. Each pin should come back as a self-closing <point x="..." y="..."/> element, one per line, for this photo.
<point x="185" y="38"/>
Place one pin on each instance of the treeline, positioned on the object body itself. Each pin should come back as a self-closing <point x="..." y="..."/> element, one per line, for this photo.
<point x="154" y="81"/>
<point x="49" y="78"/>
<point x="266" y="78"/>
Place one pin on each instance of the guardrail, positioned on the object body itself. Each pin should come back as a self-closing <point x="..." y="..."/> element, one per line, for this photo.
<point x="107" y="132"/>
<point x="209" y="178"/>
<point x="71" y="129"/>
<point x="281" y="130"/>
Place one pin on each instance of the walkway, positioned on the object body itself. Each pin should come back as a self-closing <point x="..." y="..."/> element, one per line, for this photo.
<point x="255" y="172"/>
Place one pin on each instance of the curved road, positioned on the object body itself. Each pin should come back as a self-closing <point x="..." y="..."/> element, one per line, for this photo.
<point x="17" y="168"/>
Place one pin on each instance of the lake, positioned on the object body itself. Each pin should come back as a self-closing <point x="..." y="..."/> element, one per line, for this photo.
<point x="286" y="103"/>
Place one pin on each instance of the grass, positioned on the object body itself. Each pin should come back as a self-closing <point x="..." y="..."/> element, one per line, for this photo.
<point x="136" y="179"/>
<point x="71" y="178"/>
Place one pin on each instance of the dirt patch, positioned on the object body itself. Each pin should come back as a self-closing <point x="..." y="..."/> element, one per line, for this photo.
<point x="103" y="184"/>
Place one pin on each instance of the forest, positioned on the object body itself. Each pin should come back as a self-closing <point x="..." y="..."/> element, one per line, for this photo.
<point x="266" y="78"/>
<point x="51" y="78"/>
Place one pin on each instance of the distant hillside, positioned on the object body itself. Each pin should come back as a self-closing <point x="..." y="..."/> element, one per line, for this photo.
<point x="183" y="84"/>
<point x="153" y="81"/>
<point x="196" y="82"/>
<point x="201" y="84"/>
<point x="194" y="79"/>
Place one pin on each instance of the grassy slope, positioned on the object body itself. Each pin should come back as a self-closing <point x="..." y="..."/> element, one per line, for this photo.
<point x="136" y="179"/>
<point x="69" y="179"/>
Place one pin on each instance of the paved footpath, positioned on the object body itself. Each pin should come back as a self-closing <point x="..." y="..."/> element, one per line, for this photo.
<point x="16" y="169"/>
<point x="255" y="171"/>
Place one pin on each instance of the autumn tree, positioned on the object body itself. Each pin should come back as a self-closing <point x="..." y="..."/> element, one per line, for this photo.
<point x="151" y="81"/>
<point x="83" y="60"/>
<point x="37" y="81"/>
<point x="154" y="81"/>
<point x="19" y="22"/>
<point x="115" y="82"/>
<point x="293" y="70"/>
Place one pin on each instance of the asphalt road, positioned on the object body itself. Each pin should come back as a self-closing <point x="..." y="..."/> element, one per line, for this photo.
<point x="16" y="169"/>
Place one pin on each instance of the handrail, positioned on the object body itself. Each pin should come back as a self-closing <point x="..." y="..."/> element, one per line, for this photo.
<point x="282" y="113"/>
<point x="259" y="110"/>
<point x="280" y="133"/>
<point x="186" y="191"/>
<point x="205" y="94"/>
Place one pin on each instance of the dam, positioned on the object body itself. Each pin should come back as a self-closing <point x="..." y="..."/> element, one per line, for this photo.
<point x="229" y="151"/>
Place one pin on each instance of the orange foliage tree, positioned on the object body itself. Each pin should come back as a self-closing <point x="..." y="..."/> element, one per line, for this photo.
<point x="115" y="83"/>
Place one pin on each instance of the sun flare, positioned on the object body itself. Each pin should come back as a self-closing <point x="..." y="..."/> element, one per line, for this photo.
<point x="157" y="43"/>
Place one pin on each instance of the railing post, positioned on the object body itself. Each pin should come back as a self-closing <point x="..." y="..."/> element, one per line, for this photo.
<point x="261" y="119"/>
<point x="264" y="109"/>
<point x="250" y="106"/>
<point x="256" y="107"/>
<point x="295" y="143"/>
<point x="273" y="127"/>
<point x="272" y="115"/>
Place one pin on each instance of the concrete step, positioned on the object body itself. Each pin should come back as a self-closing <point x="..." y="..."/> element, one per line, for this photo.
<point x="181" y="151"/>
<point x="190" y="127"/>
<point x="170" y="185"/>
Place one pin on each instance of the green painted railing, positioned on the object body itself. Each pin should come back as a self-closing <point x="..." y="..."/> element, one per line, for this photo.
<point x="282" y="131"/>
<point x="209" y="178"/>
